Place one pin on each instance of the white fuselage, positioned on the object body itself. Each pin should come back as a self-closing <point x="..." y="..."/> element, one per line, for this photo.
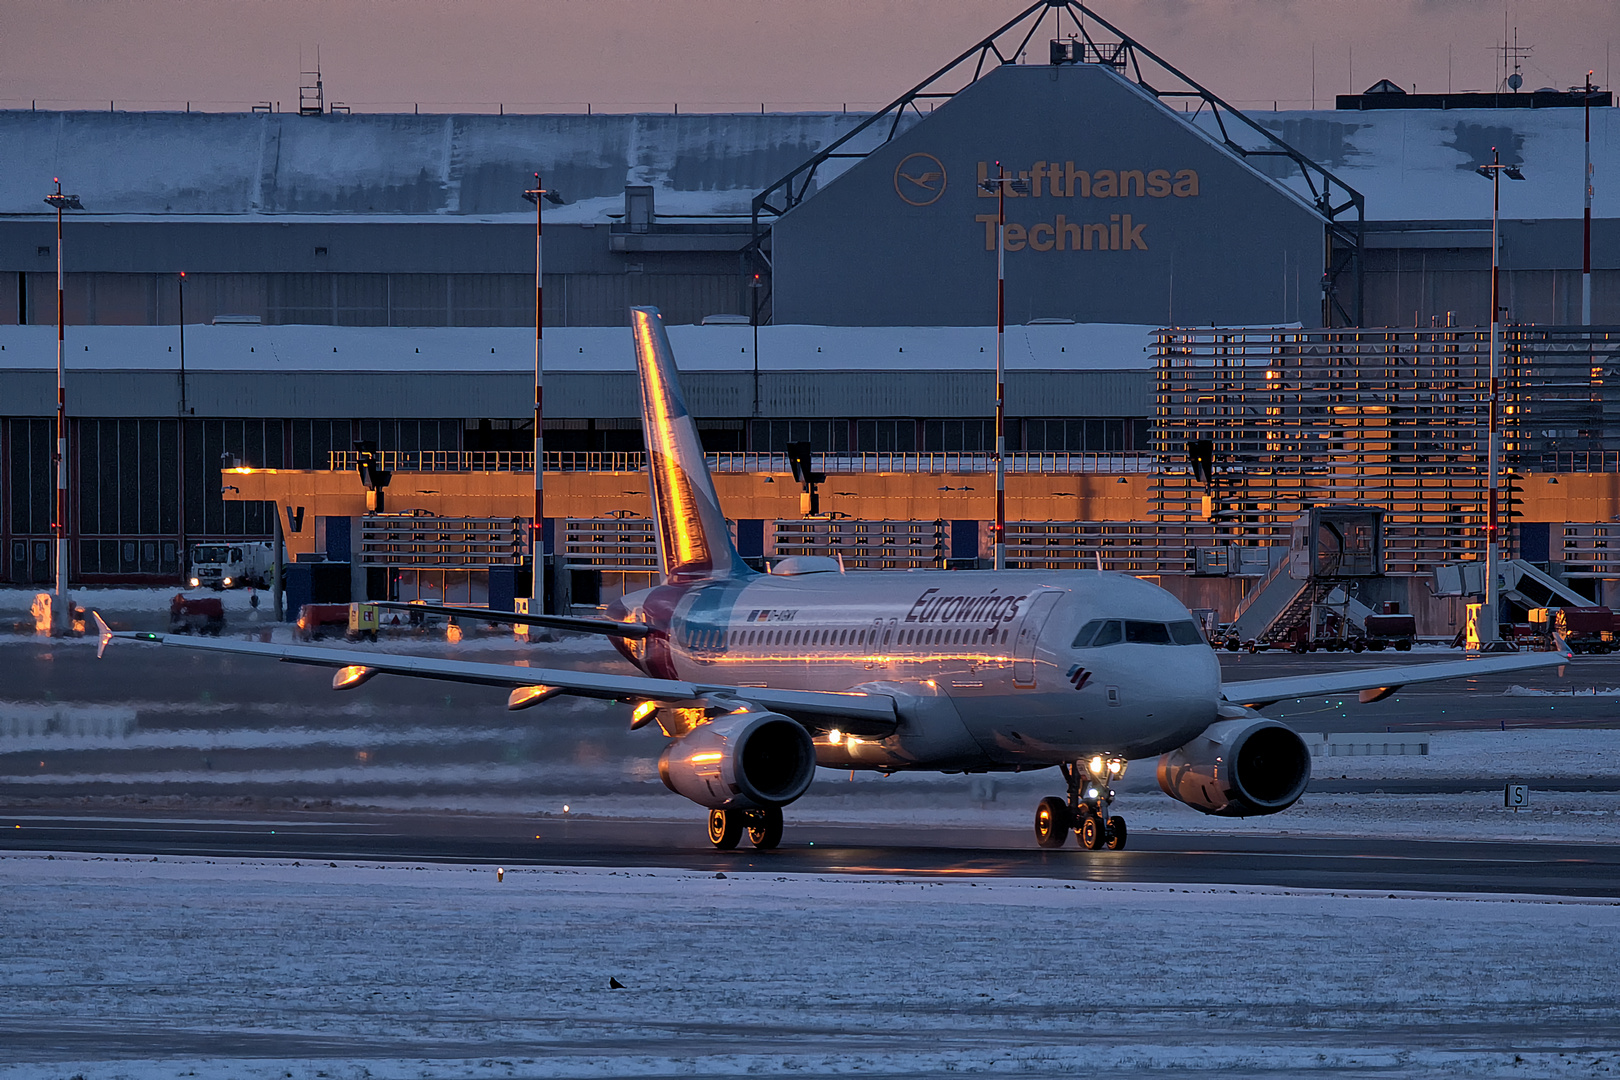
<point x="985" y="665"/>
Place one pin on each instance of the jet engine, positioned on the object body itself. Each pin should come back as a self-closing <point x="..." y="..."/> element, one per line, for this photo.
<point x="741" y="761"/>
<point x="1238" y="768"/>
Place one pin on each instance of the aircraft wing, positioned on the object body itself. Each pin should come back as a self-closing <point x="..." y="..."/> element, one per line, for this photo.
<point x="1375" y="684"/>
<point x="605" y="627"/>
<point x="859" y="713"/>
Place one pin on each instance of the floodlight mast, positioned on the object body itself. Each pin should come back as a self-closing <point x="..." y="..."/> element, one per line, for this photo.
<point x="1586" y="235"/>
<point x="537" y="541"/>
<point x="59" y="607"/>
<point x="1493" y="172"/>
<point x="999" y="184"/>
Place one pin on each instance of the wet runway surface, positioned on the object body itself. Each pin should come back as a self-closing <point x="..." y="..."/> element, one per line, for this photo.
<point x="187" y="729"/>
<point x="1378" y="864"/>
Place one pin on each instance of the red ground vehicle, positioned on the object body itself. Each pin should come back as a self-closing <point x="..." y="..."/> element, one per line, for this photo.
<point x="203" y="615"/>
<point x="1585" y="629"/>
<point x="315" y="621"/>
<point x="1390" y="629"/>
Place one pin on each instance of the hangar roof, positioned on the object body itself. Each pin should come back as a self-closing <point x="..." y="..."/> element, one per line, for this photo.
<point x="1418" y="164"/>
<point x="1412" y="165"/>
<point x="394" y="166"/>
<point x="242" y="371"/>
<point x="299" y="348"/>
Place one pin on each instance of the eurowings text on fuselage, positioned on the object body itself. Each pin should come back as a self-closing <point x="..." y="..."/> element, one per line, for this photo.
<point x="985" y="665"/>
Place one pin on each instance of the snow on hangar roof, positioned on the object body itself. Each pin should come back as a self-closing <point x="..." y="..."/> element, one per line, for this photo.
<point x="1411" y="164"/>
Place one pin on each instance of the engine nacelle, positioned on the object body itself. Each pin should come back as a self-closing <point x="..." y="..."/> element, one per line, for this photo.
<point x="1238" y="768"/>
<point x="742" y="761"/>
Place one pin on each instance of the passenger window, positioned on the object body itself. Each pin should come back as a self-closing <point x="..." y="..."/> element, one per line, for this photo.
<point x="1147" y="633"/>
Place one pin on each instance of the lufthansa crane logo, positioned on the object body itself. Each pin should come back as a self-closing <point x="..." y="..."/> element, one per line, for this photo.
<point x="919" y="179"/>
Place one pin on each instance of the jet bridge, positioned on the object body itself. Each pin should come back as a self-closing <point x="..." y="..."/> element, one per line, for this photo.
<point x="1329" y="547"/>
<point x="1522" y="582"/>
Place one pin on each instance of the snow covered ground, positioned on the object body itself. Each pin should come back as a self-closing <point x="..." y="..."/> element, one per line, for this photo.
<point x="154" y="969"/>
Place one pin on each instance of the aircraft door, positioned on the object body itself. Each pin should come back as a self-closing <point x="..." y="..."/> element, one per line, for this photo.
<point x="1029" y="632"/>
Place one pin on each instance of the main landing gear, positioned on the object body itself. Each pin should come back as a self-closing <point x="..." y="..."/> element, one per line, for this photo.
<point x="764" y="827"/>
<point x="1086" y="810"/>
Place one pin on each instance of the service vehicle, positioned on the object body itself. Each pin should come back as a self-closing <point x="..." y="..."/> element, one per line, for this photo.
<point x="231" y="566"/>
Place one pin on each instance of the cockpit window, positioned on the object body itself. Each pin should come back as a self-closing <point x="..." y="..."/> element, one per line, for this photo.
<point x="1147" y="633"/>
<point x="1186" y="633"/>
<point x="1099" y="632"/>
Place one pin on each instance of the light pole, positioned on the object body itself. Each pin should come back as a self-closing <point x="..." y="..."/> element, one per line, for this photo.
<point x="1493" y="172"/>
<point x="753" y="289"/>
<point x="1586" y="236"/>
<point x="537" y="537"/>
<point x="60" y="615"/>
<point x="180" y="444"/>
<point x="1020" y="186"/>
<point x="182" y="288"/>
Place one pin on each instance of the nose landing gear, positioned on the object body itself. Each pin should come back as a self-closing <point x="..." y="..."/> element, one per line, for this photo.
<point x="1086" y="810"/>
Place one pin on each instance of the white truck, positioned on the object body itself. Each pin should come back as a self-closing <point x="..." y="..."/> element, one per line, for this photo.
<point x="231" y="566"/>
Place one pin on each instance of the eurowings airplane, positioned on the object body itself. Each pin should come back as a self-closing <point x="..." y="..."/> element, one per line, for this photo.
<point x="755" y="679"/>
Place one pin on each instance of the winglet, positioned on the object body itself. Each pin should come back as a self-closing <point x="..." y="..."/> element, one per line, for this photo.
<point x="1563" y="646"/>
<point x="103" y="632"/>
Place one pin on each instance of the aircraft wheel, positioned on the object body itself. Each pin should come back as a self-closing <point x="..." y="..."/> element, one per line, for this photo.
<point x="764" y="828"/>
<point x="1051" y="822"/>
<point x="725" y="828"/>
<point x="1091" y="833"/>
<point x="1116" y="833"/>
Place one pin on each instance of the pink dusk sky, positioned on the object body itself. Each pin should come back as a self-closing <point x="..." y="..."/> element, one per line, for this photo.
<point x="724" y="55"/>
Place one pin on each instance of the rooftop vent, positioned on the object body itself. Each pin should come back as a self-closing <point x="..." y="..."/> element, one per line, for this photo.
<point x="1384" y="86"/>
<point x="638" y="207"/>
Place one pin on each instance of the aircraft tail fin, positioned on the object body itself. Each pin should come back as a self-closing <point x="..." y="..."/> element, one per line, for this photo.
<point x="694" y="541"/>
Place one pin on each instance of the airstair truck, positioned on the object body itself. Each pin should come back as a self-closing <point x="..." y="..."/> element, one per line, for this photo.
<point x="231" y="566"/>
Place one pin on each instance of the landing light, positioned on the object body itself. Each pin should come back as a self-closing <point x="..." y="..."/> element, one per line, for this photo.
<point x="1091" y="793"/>
<point x="347" y="678"/>
<point x="525" y="696"/>
<point x="1098" y="766"/>
<point x="642" y="714"/>
<point x="834" y="737"/>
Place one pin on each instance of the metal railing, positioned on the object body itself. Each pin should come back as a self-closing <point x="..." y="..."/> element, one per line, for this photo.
<point x="435" y="543"/>
<point x="864" y="545"/>
<point x="610" y="544"/>
<point x="1573" y="461"/>
<point x="942" y="462"/>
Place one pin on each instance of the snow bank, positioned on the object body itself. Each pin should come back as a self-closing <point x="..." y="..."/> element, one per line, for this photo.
<point x="149" y="970"/>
